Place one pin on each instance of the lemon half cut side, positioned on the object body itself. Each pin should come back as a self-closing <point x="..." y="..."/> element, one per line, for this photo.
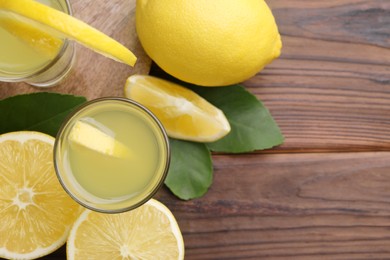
<point x="147" y="232"/>
<point x="208" y="43"/>
<point x="43" y="20"/>
<point x="36" y="213"/>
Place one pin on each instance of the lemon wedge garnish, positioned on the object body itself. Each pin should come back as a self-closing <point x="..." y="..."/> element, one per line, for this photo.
<point x="42" y="42"/>
<point x="43" y="20"/>
<point x="147" y="232"/>
<point x="183" y="113"/>
<point x="36" y="213"/>
<point x="91" y="137"/>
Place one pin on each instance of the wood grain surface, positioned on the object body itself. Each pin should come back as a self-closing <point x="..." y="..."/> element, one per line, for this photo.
<point x="275" y="206"/>
<point x="330" y="90"/>
<point x="324" y="193"/>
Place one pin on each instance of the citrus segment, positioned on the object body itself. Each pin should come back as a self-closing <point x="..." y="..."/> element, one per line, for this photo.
<point x="36" y="213"/>
<point x="183" y="113"/>
<point x="99" y="139"/>
<point x="148" y="232"/>
<point x="60" y="24"/>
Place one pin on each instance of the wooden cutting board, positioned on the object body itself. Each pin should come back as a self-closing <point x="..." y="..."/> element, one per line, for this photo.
<point x="94" y="75"/>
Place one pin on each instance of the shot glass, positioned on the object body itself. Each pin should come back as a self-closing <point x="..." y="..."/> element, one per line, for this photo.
<point x="111" y="155"/>
<point x="19" y="62"/>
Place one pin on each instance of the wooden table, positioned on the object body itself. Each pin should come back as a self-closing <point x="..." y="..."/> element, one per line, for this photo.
<point x="324" y="193"/>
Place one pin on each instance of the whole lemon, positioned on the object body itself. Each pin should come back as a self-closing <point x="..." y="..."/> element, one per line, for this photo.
<point x="208" y="42"/>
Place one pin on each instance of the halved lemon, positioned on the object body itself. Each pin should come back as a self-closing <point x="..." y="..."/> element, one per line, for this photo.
<point x="184" y="114"/>
<point x="147" y="232"/>
<point x="33" y="20"/>
<point x="35" y="212"/>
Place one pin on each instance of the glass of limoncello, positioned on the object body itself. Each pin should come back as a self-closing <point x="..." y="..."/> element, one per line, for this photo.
<point x="111" y="155"/>
<point x="39" y="62"/>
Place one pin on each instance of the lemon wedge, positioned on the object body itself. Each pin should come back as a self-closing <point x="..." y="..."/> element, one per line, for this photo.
<point x="44" y="22"/>
<point x="91" y="137"/>
<point x="183" y="113"/>
<point x="42" y="42"/>
<point x="147" y="232"/>
<point x="36" y="213"/>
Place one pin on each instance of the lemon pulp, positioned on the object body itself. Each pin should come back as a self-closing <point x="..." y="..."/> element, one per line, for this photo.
<point x="36" y="213"/>
<point x="184" y="114"/>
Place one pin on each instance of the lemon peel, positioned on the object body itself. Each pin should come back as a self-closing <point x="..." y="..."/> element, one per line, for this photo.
<point x="208" y="43"/>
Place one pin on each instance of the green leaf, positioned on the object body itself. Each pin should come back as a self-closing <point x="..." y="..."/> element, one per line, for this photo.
<point x="43" y="112"/>
<point x="191" y="170"/>
<point x="253" y="127"/>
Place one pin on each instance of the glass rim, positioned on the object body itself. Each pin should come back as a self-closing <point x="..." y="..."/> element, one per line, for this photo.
<point x="66" y="43"/>
<point x="167" y="157"/>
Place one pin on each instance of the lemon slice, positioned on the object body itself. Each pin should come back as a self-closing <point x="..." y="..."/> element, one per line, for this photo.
<point x="99" y="139"/>
<point x="46" y="19"/>
<point x="148" y="232"/>
<point x="36" y="213"/>
<point x="42" y="42"/>
<point x="184" y="114"/>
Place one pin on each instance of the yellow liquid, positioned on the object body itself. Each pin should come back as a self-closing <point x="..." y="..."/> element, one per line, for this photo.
<point x="110" y="178"/>
<point x="18" y="59"/>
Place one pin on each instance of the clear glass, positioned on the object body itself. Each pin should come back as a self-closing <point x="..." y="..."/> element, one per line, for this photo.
<point x="45" y="74"/>
<point x="95" y="179"/>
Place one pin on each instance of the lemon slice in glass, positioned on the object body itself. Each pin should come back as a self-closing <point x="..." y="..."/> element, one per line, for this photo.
<point x="147" y="232"/>
<point x="36" y="213"/>
<point x="184" y="114"/>
<point x="33" y="20"/>
<point x="42" y="42"/>
<point x="89" y="135"/>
